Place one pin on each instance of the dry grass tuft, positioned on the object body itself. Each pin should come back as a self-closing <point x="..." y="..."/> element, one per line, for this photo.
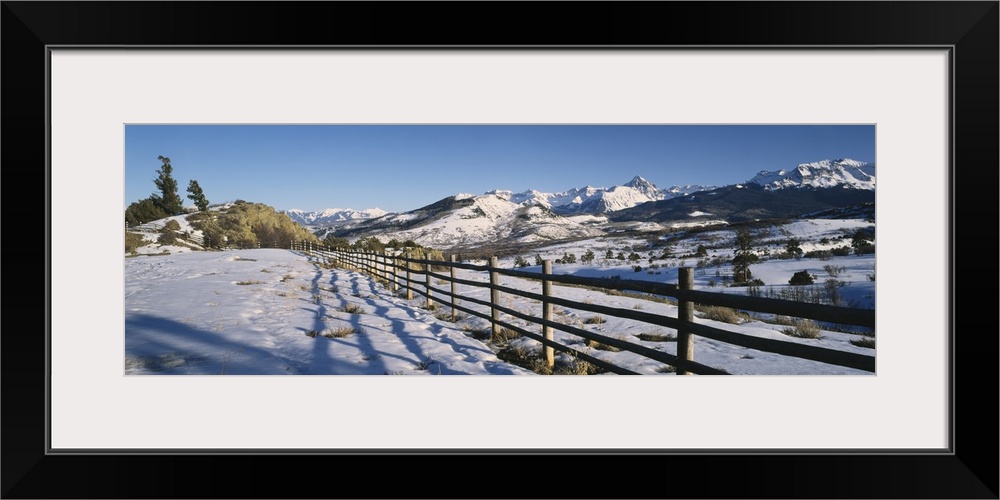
<point x="525" y="358"/>
<point x="803" y="329"/>
<point x="600" y="346"/>
<point x="867" y="342"/>
<point x="724" y="314"/>
<point x="340" y="332"/>
<point x="354" y="309"/>
<point x="657" y="337"/>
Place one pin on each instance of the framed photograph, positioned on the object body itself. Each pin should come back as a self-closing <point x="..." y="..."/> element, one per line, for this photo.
<point x="922" y="97"/>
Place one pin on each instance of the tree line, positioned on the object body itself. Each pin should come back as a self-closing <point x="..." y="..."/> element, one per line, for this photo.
<point x="167" y="202"/>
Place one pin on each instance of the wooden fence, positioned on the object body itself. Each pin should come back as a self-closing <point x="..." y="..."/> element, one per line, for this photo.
<point x="399" y="270"/>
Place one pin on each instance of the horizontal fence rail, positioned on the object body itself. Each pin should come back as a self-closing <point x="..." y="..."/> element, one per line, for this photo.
<point x="398" y="270"/>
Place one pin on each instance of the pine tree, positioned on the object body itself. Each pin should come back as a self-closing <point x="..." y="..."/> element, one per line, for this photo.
<point x="793" y="247"/>
<point x="169" y="201"/>
<point x="743" y="256"/>
<point x="197" y="195"/>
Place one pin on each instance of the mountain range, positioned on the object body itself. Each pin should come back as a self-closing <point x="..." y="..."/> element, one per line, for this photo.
<point x="333" y="216"/>
<point x="504" y="217"/>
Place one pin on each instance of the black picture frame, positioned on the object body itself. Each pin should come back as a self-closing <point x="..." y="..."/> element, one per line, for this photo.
<point x="969" y="28"/>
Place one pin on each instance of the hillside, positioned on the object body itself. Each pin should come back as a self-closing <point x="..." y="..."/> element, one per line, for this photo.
<point x="233" y="225"/>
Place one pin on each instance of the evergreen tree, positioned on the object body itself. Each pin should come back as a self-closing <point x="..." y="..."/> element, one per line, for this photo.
<point x="743" y="256"/>
<point x="794" y="248"/>
<point x="197" y="195"/>
<point x="859" y="241"/>
<point x="801" y="278"/>
<point x="143" y="211"/>
<point x="588" y="257"/>
<point x="169" y="201"/>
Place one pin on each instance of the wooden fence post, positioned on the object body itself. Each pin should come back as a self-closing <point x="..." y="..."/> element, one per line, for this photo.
<point x="454" y="313"/>
<point x="395" y="278"/>
<point x="409" y="290"/>
<point x="494" y="296"/>
<point x="685" y="312"/>
<point x="380" y="265"/>
<point x="547" y="313"/>
<point x="427" y="284"/>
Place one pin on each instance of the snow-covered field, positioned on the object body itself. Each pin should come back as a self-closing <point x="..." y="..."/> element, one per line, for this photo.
<point x="266" y="312"/>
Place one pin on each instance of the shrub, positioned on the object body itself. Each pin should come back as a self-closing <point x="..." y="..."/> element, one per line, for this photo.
<point x="834" y="271"/>
<point x="803" y="328"/>
<point x="801" y="278"/>
<point x="819" y="254"/>
<point x="594" y="320"/>
<point x="143" y="211"/>
<point x="832" y="288"/>
<point x="520" y="262"/>
<point x="172" y="225"/>
<point x="865" y="249"/>
<point x="133" y="241"/>
<point x="842" y="251"/>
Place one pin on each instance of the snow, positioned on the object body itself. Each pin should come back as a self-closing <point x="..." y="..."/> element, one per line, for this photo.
<point x="150" y="232"/>
<point x="333" y="216"/>
<point x="256" y="312"/>
<point x="490" y="218"/>
<point x="249" y="312"/>
<point x="822" y="174"/>
<point x="599" y="199"/>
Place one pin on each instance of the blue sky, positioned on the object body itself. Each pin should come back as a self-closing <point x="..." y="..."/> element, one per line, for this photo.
<point x="403" y="167"/>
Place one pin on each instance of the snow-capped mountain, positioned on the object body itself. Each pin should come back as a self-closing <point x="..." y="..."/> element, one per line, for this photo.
<point x="844" y="173"/>
<point x="810" y="187"/>
<point x="502" y="217"/>
<point x="333" y="216"/>
<point x="597" y="200"/>
<point x="463" y="221"/>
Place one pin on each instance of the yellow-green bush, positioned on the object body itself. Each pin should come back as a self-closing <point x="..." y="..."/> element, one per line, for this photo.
<point x="133" y="241"/>
<point x="249" y="224"/>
